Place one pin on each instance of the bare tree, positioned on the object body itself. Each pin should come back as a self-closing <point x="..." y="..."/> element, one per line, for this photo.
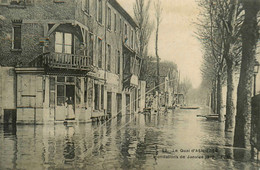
<point x="230" y="20"/>
<point x="249" y="43"/>
<point x="142" y="17"/>
<point x="212" y="40"/>
<point x="158" y="16"/>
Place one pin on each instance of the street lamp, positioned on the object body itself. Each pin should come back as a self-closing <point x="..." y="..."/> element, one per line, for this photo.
<point x="256" y="69"/>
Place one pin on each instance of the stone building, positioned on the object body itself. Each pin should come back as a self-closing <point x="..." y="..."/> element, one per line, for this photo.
<point x="52" y="50"/>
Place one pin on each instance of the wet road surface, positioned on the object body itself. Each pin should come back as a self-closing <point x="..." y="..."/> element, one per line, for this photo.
<point x="174" y="140"/>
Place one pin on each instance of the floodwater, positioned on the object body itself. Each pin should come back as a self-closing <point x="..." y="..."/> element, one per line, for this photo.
<point x="174" y="140"/>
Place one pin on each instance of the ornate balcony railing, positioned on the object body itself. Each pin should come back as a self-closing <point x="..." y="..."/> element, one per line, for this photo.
<point x="63" y="61"/>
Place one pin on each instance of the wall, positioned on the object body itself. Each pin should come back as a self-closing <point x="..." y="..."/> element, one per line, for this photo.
<point x="29" y="98"/>
<point x="33" y="19"/>
<point x="7" y="90"/>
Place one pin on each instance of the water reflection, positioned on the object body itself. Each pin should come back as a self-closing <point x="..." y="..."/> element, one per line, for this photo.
<point x="156" y="141"/>
<point x="69" y="149"/>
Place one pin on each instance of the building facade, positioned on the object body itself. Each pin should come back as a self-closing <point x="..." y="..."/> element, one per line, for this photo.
<point x="52" y="51"/>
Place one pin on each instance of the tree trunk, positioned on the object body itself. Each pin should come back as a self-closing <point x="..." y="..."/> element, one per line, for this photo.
<point x="249" y="41"/>
<point x="214" y="99"/>
<point x="230" y="114"/>
<point x="219" y="99"/>
<point x="157" y="56"/>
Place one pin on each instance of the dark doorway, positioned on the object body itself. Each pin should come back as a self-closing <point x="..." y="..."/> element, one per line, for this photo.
<point x="70" y="92"/>
<point x="127" y="103"/>
<point x="119" y="103"/>
<point x="109" y="102"/>
<point x="10" y="116"/>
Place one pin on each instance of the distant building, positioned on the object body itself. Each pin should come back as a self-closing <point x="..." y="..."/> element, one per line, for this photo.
<point x="168" y="80"/>
<point x="52" y="50"/>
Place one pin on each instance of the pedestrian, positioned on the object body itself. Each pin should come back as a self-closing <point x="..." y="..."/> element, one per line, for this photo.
<point x="70" y="109"/>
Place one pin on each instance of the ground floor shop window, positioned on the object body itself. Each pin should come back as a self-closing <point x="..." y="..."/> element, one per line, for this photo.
<point x="99" y="97"/>
<point x="61" y="97"/>
<point x="102" y="97"/>
<point x="119" y="103"/>
<point x="52" y="91"/>
<point x="78" y="90"/>
<point x="63" y="88"/>
<point x="109" y="102"/>
<point x="127" y="103"/>
<point x="85" y="90"/>
<point x="96" y="98"/>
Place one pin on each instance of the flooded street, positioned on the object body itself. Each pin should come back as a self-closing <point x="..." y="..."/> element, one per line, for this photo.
<point x="174" y="140"/>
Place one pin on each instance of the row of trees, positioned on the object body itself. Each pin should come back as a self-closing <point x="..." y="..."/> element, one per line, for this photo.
<point x="146" y="26"/>
<point x="229" y="33"/>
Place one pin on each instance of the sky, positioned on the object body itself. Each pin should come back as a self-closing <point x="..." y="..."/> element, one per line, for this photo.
<point x="177" y="41"/>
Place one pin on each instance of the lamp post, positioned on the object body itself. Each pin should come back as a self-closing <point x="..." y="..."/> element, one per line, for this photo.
<point x="256" y="69"/>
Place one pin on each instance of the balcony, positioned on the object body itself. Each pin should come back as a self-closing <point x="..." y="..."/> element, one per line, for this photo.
<point x="63" y="61"/>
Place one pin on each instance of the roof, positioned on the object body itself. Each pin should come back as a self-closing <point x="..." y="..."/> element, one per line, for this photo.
<point x="123" y="12"/>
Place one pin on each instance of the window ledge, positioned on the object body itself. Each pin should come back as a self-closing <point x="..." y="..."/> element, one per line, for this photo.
<point x="16" y="50"/>
<point x="17" y="6"/>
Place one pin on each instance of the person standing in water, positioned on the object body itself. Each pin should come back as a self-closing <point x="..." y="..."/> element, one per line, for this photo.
<point x="70" y="109"/>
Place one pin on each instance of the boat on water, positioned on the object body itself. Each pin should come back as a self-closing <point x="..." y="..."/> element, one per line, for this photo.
<point x="189" y="107"/>
<point x="210" y="117"/>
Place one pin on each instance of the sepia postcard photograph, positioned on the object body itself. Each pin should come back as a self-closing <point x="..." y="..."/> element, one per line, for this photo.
<point x="130" y="84"/>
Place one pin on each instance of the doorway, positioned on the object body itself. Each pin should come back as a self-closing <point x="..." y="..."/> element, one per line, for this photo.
<point x="119" y="103"/>
<point x="127" y="103"/>
<point x="64" y="92"/>
<point x="70" y="92"/>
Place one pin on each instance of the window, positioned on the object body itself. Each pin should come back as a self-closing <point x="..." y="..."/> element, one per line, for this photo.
<point x="96" y="97"/>
<point x="63" y="42"/>
<point x="60" y="79"/>
<point x="109" y="18"/>
<point x="126" y="33"/>
<point x="119" y="103"/>
<point x="99" y="53"/>
<point x="109" y="102"/>
<point x="85" y="90"/>
<point x="102" y="97"/>
<point x="108" y="57"/>
<point x="86" y="6"/>
<point x="132" y="39"/>
<point x="17" y="36"/>
<point x="91" y="46"/>
<point x="85" y="44"/>
<point x="118" y="62"/>
<point x="120" y="25"/>
<point x="70" y="79"/>
<point x="61" y="95"/>
<point x="78" y="90"/>
<point x="100" y="12"/>
<point x="115" y="18"/>
<point x="52" y="91"/>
